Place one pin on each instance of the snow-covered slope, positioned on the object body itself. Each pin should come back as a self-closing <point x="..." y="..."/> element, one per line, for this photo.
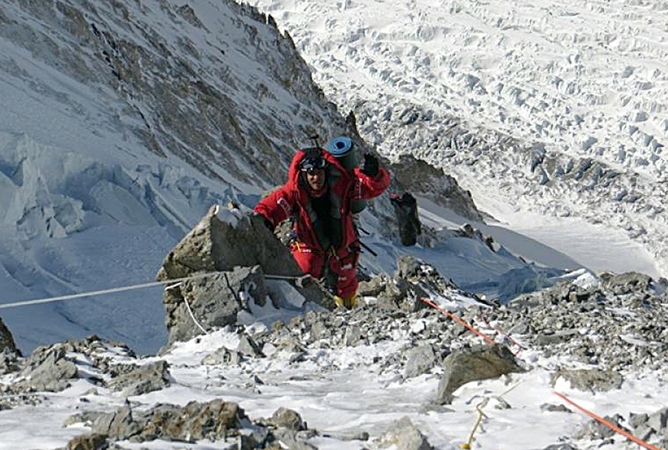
<point x="120" y="125"/>
<point x="554" y="108"/>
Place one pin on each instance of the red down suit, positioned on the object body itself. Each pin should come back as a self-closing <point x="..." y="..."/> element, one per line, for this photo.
<point x="293" y="200"/>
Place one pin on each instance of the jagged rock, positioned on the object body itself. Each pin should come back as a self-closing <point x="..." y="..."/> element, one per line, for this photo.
<point x="89" y="442"/>
<point x="248" y="347"/>
<point x="213" y="420"/>
<point x="352" y="336"/>
<point x="648" y="426"/>
<point x="142" y="379"/>
<point x="222" y="356"/>
<point x="590" y="379"/>
<point x="477" y="363"/>
<point x="560" y="447"/>
<point x="47" y="369"/>
<point x="293" y="439"/>
<point x="8" y="361"/>
<point x="224" y="241"/>
<point x="403" y="435"/>
<point x="407" y="267"/>
<point x="287" y="418"/>
<point x="420" y="360"/>
<point x="7" y="344"/>
<point x="626" y="282"/>
<point x="596" y="430"/>
<point x="373" y="287"/>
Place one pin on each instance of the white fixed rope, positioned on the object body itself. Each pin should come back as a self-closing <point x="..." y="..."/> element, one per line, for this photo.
<point x="105" y="291"/>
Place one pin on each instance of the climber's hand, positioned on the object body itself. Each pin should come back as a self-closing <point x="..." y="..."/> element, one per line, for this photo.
<point x="371" y="165"/>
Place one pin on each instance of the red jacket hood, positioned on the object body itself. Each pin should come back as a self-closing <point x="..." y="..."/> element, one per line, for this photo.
<point x="294" y="172"/>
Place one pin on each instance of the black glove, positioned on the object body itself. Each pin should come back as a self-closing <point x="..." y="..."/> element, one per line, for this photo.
<point x="370" y="167"/>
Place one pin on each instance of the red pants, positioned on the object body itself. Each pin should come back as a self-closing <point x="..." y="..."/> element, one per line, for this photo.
<point x="343" y="263"/>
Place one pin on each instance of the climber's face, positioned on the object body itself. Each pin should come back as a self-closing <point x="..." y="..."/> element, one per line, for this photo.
<point x="316" y="179"/>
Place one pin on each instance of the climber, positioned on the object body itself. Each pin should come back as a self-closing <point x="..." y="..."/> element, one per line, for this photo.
<point x="318" y="196"/>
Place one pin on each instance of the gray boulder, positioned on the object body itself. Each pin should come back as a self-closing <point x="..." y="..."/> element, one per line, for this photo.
<point x="242" y="250"/>
<point x="89" y="442"/>
<point x="420" y="360"/>
<point x="477" y="363"/>
<point x="142" y="379"/>
<point x="248" y="347"/>
<point x="591" y="379"/>
<point x="403" y="435"/>
<point x="214" y="301"/>
<point x="287" y="418"/>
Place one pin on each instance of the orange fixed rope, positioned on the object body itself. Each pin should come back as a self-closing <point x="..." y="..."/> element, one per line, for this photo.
<point x="487" y="339"/>
<point x="607" y="423"/>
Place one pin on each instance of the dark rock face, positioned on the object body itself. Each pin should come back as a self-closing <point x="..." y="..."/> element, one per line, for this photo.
<point x="198" y="118"/>
<point x="477" y="363"/>
<point x="405" y="209"/>
<point x="434" y="184"/>
<point x="7" y="343"/>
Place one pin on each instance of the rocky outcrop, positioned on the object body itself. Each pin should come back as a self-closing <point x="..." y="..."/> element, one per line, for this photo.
<point x="478" y="363"/>
<point x="425" y="180"/>
<point x="213" y="420"/>
<point x="239" y="252"/>
<point x="625" y="317"/>
<point x="216" y="421"/>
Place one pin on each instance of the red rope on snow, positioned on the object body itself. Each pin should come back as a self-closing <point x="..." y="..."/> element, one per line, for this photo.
<point x="608" y="424"/>
<point x="487" y="339"/>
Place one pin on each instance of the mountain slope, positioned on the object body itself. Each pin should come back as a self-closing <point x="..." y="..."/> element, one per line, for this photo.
<point x="121" y="124"/>
<point x="552" y="108"/>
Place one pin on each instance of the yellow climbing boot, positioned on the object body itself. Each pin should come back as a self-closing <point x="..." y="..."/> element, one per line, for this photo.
<point x="346" y="302"/>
